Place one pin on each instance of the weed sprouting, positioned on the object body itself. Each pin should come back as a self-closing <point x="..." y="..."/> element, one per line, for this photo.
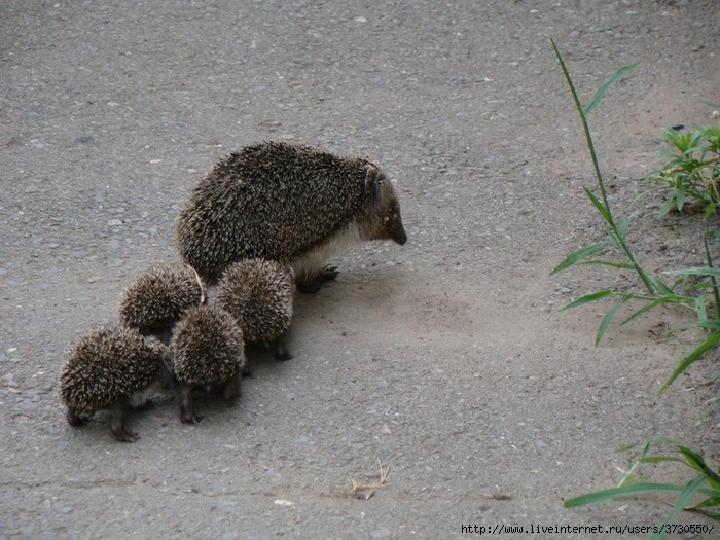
<point x="692" y="174"/>
<point x="705" y="306"/>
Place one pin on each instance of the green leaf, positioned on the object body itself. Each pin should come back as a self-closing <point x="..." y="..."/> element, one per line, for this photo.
<point x="669" y="299"/>
<point x="591" y="297"/>
<point x="577" y="256"/>
<point x="689" y="358"/>
<point x="696" y="271"/>
<point x="691" y="488"/>
<point x="614" y="264"/>
<point x="627" y="266"/>
<point x="657" y="285"/>
<point x="665" y="209"/>
<point x="604" y="211"/>
<point x="605" y="322"/>
<point x="710" y="324"/>
<point x="700" y="308"/>
<point x="660" y="459"/>
<point x="604" y="87"/>
<point x="693" y="459"/>
<point x="625" y="491"/>
<point x="680" y="199"/>
<point x="622" y="229"/>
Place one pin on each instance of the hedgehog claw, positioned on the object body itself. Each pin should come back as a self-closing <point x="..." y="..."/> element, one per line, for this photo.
<point x="328" y="273"/>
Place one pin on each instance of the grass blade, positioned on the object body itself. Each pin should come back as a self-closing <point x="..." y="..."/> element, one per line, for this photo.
<point x="697" y="271"/>
<point x="604" y="211"/>
<point x="590" y="297"/>
<point x="607" y="319"/>
<point x="577" y="256"/>
<point x="689" y="358"/>
<point x="716" y="289"/>
<point x="691" y="488"/>
<point x="651" y="305"/>
<point x="615" y="77"/>
<point x="626" y="266"/>
<point x="656" y="286"/>
<point x="625" y="491"/>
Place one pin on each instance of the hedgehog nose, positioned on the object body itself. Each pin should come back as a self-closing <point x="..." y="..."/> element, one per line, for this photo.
<point x="397" y="233"/>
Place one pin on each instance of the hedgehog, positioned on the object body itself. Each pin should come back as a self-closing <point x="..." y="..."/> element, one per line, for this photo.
<point x="289" y="203"/>
<point x="111" y="368"/>
<point x="259" y="294"/>
<point x="160" y="297"/>
<point x="208" y="352"/>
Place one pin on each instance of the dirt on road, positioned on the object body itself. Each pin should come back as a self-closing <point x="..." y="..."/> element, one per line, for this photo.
<point x="447" y="359"/>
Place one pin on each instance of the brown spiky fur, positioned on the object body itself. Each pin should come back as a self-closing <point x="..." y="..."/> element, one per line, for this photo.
<point x="104" y="370"/>
<point x="209" y="351"/>
<point x="289" y="203"/>
<point x="160" y="297"/>
<point x="259" y="294"/>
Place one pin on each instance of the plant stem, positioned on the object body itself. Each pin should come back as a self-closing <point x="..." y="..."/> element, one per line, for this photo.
<point x="610" y="220"/>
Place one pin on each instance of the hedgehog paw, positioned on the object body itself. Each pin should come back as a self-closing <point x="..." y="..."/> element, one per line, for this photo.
<point x="328" y="273"/>
<point x="124" y="435"/>
<point x="282" y="353"/>
<point x="191" y="419"/>
<point x="75" y="420"/>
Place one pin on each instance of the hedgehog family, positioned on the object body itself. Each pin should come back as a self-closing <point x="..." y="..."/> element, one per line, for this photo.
<point x="261" y="221"/>
<point x="107" y="369"/>
<point x="258" y="294"/>
<point x="288" y="203"/>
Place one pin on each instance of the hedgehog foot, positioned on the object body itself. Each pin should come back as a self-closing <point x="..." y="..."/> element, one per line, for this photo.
<point x="119" y="415"/>
<point x="282" y="352"/>
<point x="312" y="285"/>
<point x="231" y="389"/>
<point x="73" y="418"/>
<point x="125" y="436"/>
<point x="187" y="415"/>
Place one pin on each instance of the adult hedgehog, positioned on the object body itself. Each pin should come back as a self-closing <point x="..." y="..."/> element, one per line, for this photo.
<point x="289" y="203"/>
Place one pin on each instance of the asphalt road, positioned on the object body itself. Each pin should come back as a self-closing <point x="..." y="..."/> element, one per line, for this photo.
<point x="445" y="360"/>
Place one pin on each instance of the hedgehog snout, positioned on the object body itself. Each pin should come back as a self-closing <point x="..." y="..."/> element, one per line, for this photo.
<point x="393" y="228"/>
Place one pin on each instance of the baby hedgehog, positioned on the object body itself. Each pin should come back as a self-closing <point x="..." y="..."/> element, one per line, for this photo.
<point x="259" y="294"/>
<point x="159" y="298"/>
<point x="108" y="369"/>
<point x="288" y="203"/>
<point x="209" y="351"/>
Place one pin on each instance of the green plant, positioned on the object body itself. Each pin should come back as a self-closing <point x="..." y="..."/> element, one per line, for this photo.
<point x="656" y="293"/>
<point x="692" y="176"/>
<point x="705" y="483"/>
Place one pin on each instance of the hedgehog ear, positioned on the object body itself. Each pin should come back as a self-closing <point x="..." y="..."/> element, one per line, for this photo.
<point x="374" y="180"/>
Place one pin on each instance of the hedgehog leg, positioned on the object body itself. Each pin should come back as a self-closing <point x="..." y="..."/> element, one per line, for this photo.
<point x="187" y="416"/>
<point x="282" y="352"/>
<point x="312" y="284"/>
<point x="73" y="418"/>
<point x="231" y="389"/>
<point x="246" y="372"/>
<point x="119" y="416"/>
